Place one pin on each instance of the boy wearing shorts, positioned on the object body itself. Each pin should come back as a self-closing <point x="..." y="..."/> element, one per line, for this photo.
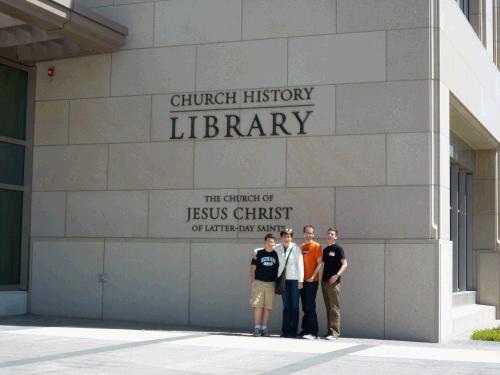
<point x="263" y="274"/>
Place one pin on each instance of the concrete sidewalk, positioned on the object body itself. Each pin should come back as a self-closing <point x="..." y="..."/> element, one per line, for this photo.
<point x="32" y="344"/>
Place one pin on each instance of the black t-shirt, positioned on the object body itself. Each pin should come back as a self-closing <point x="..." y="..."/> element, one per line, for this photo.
<point x="332" y="256"/>
<point x="267" y="264"/>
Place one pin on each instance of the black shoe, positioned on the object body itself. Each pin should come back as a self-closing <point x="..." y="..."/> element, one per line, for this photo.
<point x="283" y="334"/>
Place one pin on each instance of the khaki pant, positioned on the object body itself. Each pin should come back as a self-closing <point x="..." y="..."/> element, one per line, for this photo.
<point x="331" y="295"/>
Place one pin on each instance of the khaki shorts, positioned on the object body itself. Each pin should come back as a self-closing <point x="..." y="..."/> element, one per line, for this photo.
<point x="262" y="294"/>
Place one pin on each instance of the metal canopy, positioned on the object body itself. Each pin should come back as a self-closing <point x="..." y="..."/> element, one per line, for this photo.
<point x="38" y="30"/>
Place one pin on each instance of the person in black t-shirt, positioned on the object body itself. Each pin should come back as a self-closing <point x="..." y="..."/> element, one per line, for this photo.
<point x="334" y="265"/>
<point x="263" y="274"/>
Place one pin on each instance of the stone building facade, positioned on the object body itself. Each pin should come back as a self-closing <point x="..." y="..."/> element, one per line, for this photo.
<point x="158" y="167"/>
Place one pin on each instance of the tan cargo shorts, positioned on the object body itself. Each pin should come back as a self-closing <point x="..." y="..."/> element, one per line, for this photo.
<point x="262" y="294"/>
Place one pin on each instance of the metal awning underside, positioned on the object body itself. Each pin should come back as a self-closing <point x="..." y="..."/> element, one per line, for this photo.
<point x="38" y="30"/>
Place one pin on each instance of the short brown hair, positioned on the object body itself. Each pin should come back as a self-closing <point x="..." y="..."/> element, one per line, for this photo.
<point x="269" y="235"/>
<point x="331" y="229"/>
<point x="286" y="231"/>
<point x="308" y="226"/>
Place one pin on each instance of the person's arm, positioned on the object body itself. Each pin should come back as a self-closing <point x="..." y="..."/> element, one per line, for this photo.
<point x="341" y="271"/>
<point x="276" y="267"/>
<point x="319" y="261"/>
<point x="300" y="268"/>
<point x="253" y="267"/>
<point x="252" y="273"/>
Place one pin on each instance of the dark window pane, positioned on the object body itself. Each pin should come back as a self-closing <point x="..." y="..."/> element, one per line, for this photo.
<point x="11" y="164"/>
<point x="11" y="208"/>
<point x="13" y="89"/>
<point x="464" y="5"/>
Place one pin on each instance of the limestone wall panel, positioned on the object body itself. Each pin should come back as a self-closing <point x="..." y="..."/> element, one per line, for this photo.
<point x="484" y="232"/>
<point x="209" y="21"/>
<point x="48" y="212"/>
<point x="107" y="214"/>
<point x="383" y="212"/>
<point x="282" y="18"/>
<point x="120" y="2"/>
<point x="147" y="281"/>
<point x="109" y="120"/>
<point x="79" y="77"/>
<point x="156" y="165"/>
<point x="336" y="161"/>
<point x="362" y="15"/>
<point x="152" y="71"/>
<point x="483" y="198"/>
<point x="409" y="159"/>
<point x="70" y="167"/>
<point x="363" y="292"/>
<point x="358" y="57"/>
<point x="240" y="164"/>
<point x="51" y="123"/>
<point x="246" y="64"/>
<point x="488" y="278"/>
<point x="64" y="278"/>
<point x="96" y="3"/>
<point x="384" y="107"/>
<point x="227" y="285"/>
<point x="411" y="295"/>
<point x="408" y="54"/>
<point x="138" y="18"/>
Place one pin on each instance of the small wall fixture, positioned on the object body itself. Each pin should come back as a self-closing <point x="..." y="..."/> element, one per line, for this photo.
<point x="51" y="72"/>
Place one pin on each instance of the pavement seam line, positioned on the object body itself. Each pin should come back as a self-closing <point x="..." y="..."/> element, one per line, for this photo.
<point x="110" y="348"/>
<point x="316" y="360"/>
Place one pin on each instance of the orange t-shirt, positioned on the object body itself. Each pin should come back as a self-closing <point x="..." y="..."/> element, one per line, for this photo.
<point x="311" y="251"/>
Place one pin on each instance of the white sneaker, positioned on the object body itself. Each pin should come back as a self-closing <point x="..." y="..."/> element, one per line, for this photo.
<point x="331" y="338"/>
<point x="309" y="337"/>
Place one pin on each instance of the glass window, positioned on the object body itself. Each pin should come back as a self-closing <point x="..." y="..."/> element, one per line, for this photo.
<point x="464" y="5"/>
<point x="11" y="164"/>
<point x="13" y="94"/>
<point x="13" y="107"/>
<point x="11" y="208"/>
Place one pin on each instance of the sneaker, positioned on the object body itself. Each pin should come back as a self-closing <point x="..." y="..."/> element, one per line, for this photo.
<point x="309" y="337"/>
<point x="331" y="338"/>
<point x="265" y="332"/>
<point x="256" y="332"/>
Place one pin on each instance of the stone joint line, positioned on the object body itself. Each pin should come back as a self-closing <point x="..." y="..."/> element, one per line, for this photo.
<point x="78" y="353"/>
<point x="316" y="360"/>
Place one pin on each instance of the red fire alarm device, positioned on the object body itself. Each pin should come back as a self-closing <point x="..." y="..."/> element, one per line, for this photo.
<point x="51" y="72"/>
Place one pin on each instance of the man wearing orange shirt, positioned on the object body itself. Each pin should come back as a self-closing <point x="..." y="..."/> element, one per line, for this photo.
<point x="312" y="254"/>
